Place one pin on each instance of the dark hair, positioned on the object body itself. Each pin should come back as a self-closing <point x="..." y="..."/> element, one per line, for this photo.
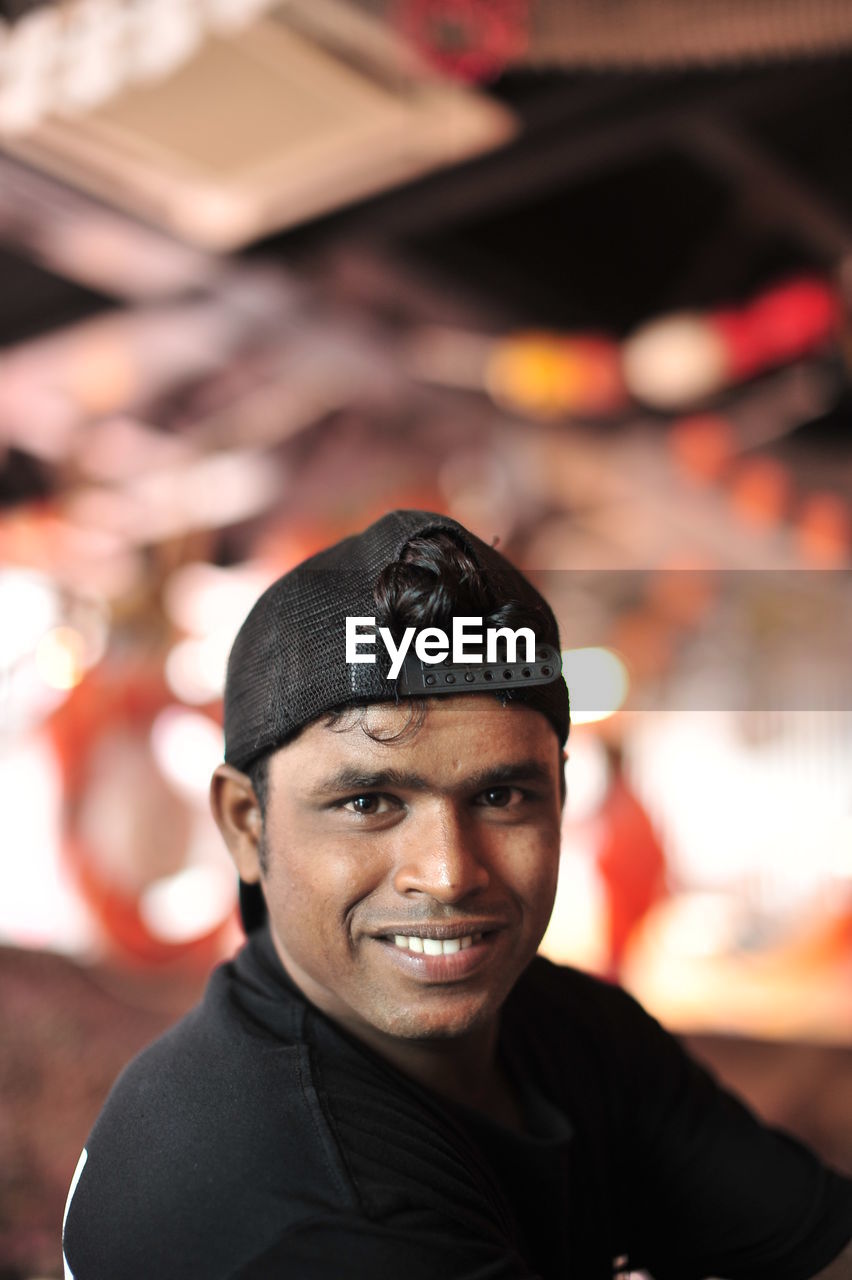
<point x="434" y="579"/>
<point x="258" y="772"/>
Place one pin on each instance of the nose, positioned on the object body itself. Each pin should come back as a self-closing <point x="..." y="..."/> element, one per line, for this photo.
<point x="441" y="858"/>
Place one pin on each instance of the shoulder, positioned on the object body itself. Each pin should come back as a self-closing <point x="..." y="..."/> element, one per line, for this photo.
<point x="594" y="1005"/>
<point x="188" y="1149"/>
<point x="203" y="1079"/>
<point x="601" y="1050"/>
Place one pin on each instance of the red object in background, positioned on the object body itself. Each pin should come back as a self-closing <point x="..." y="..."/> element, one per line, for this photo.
<point x="630" y="860"/>
<point x="472" y="40"/>
<point x="823" y="527"/>
<point x="779" y="326"/>
<point x="108" y="713"/>
<point x="682" y="359"/>
<point x="704" y="445"/>
<point x="761" y="491"/>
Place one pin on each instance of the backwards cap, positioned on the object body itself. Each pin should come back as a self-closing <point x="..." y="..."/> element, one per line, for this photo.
<point x="288" y="663"/>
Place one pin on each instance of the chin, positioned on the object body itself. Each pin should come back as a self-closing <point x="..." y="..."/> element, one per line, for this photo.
<point x="438" y="1024"/>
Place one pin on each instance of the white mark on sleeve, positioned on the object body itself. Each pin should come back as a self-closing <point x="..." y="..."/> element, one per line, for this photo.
<point x="81" y="1164"/>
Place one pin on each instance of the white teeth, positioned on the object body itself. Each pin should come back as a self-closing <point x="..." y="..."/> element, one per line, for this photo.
<point x="434" y="946"/>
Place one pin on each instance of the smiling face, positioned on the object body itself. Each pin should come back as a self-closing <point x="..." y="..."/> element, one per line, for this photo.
<point x="409" y="883"/>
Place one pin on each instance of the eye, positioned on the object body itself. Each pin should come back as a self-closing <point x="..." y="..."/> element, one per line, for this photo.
<point x="368" y="805"/>
<point x="501" y="797"/>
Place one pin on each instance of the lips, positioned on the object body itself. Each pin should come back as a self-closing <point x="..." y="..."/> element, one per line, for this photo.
<point x="415" y="936"/>
<point x="441" y="952"/>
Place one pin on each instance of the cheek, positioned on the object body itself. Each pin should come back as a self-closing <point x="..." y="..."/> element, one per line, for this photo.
<point x="530" y="866"/>
<point x="319" y="888"/>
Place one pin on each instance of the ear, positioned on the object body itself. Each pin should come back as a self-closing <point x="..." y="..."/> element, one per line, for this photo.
<point x="238" y="816"/>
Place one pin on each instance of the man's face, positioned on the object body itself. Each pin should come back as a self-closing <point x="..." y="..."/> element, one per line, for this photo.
<point x="382" y="854"/>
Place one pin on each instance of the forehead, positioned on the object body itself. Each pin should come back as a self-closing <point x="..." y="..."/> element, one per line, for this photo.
<point x="455" y="735"/>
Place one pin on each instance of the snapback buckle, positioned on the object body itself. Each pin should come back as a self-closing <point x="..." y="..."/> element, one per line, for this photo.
<point x="418" y="678"/>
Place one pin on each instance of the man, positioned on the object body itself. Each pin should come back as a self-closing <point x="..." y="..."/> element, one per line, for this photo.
<point x="385" y="1081"/>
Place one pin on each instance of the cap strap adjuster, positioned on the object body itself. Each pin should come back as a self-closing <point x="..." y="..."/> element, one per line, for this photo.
<point x="418" y="678"/>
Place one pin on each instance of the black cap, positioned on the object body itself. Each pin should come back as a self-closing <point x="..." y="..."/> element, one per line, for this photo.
<point x="288" y="663"/>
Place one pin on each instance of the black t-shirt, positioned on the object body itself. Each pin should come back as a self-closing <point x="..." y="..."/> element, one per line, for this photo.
<point x="258" y="1141"/>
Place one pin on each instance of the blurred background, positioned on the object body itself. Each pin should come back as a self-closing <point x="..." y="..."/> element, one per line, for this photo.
<point x="577" y="274"/>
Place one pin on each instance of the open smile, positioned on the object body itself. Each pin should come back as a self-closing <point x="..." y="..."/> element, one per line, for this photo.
<point x="441" y="958"/>
<point x="435" y="946"/>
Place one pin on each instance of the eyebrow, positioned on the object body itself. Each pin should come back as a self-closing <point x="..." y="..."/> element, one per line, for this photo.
<point x="353" y="780"/>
